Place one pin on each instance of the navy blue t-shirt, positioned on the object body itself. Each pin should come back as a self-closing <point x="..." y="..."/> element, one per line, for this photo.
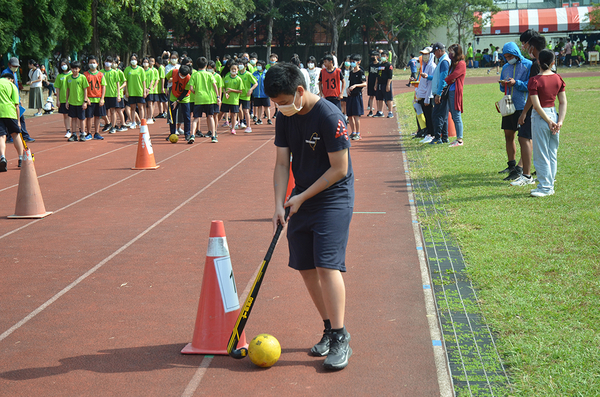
<point x="310" y="138"/>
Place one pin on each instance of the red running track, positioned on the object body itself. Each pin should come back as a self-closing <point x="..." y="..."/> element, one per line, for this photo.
<point x="99" y="298"/>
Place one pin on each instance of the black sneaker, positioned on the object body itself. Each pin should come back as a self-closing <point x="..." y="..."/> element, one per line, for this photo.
<point x="73" y="138"/>
<point x="191" y="140"/>
<point x="107" y="127"/>
<point x="269" y="122"/>
<point x="515" y="173"/>
<point x="258" y="122"/>
<point x="506" y="170"/>
<point x="339" y="351"/>
<point x="322" y="348"/>
<point x="208" y="134"/>
<point x="3" y="164"/>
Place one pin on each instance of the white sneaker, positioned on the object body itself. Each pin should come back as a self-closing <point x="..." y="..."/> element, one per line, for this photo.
<point x="427" y="139"/>
<point x="179" y="131"/>
<point x="68" y="134"/>
<point x="248" y="129"/>
<point x="523" y="181"/>
<point x="149" y="121"/>
<point x="132" y="125"/>
<point x="243" y="125"/>
<point x="540" y="193"/>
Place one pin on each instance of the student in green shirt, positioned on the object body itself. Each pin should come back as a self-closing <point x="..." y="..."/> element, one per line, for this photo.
<point x="151" y="81"/>
<point x="212" y="69"/>
<point x="61" y="93"/>
<point x="136" y="89"/>
<point x="162" y="96"/>
<point x="205" y="96"/>
<point x="77" y="100"/>
<point x="232" y="86"/>
<point x="120" y="108"/>
<point x="9" y="118"/>
<point x="112" y="96"/>
<point x="249" y="85"/>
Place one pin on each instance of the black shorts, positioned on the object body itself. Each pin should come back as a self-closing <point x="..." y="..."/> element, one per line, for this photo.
<point x="95" y="110"/>
<point x="163" y="98"/>
<point x="62" y="109"/>
<point x="262" y="102"/>
<point x="245" y="104"/>
<point x="226" y="108"/>
<point x="9" y="126"/>
<point x="203" y="109"/>
<point x="110" y="102"/>
<point x="371" y="89"/>
<point x="510" y="122"/>
<point x="383" y="95"/>
<point x="76" y="112"/>
<point x="525" y="129"/>
<point x="414" y="75"/>
<point x="354" y="106"/>
<point x="318" y="238"/>
<point x="335" y="100"/>
<point x="136" y="99"/>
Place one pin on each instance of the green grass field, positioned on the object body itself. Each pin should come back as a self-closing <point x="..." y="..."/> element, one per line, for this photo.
<point x="534" y="261"/>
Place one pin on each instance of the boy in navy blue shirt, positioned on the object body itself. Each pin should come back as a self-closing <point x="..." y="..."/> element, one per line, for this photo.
<point x="314" y="130"/>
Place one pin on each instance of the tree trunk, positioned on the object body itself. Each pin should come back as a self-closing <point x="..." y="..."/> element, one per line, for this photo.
<point x="95" y="44"/>
<point x="145" y="40"/>
<point x="206" y="39"/>
<point x="269" y="35"/>
<point x="335" y="35"/>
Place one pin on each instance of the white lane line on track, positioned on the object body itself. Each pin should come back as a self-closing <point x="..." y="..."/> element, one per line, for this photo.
<point x="123" y="248"/>
<point x="197" y="378"/>
<point x="89" y="195"/>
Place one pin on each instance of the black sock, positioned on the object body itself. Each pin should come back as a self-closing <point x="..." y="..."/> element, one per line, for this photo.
<point x="339" y="330"/>
<point x="512" y="163"/>
<point x="327" y="324"/>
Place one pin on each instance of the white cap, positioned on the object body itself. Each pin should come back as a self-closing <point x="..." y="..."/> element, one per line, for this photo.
<point x="426" y="50"/>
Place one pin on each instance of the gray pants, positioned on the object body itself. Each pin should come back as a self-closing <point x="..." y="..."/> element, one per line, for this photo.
<point x="545" y="149"/>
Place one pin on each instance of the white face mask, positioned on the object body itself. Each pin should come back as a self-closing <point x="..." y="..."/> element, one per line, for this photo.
<point x="233" y="74"/>
<point x="133" y="62"/>
<point x="383" y="59"/>
<point x="107" y="65"/>
<point x="93" y="66"/>
<point x="291" y="109"/>
<point x="241" y="67"/>
<point x="259" y="68"/>
<point x="426" y="58"/>
<point x="145" y="64"/>
<point x="512" y="61"/>
<point x="65" y="67"/>
<point x="174" y="61"/>
<point x="311" y="65"/>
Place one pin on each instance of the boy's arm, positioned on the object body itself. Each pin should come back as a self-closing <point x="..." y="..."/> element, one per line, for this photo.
<point x="102" y="95"/>
<point x="252" y="89"/>
<point x="217" y="92"/>
<point x="281" y="176"/>
<point x="525" y="110"/>
<point x="67" y="98"/>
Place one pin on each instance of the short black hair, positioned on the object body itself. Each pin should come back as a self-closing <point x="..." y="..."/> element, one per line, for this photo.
<point x="412" y="55"/>
<point x="312" y="59"/>
<point x="174" y="54"/>
<point x="295" y="60"/>
<point x="211" y="64"/>
<point x="133" y="55"/>
<point x="261" y="63"/>
<point x="184" y="70"/>
<point x="108" y="59"/>
<point x="283" y="78"/>
<point x="253" y="55"/>
<point x="546" y="57"/>
<point x="201" y="62"/>
<point x="75" y="64"/>
<point x="7" y="75"/>
<point x="32" y="62"/>
<point x="357" y="57"/>
<point x="92" y="58"/>
<point x="273" y="55"/>
<point x="538" y="42"/>
<point x="328" y="57"/>
<point x="527" y="35"/>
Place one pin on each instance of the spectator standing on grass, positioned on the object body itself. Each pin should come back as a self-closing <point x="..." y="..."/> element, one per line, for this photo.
<point x="440" y="108"/>
<point x="513" y="81"/>
<point x="545" y="123"/>
<point x="456" y="79"/>
<point x="313" y="75"/>
<point x="423" y="92"/>
<point x="568" y="50"/>
<point x="36" y="100"/>
<point x="470" y="55"/>
<point x="495" y="61"/>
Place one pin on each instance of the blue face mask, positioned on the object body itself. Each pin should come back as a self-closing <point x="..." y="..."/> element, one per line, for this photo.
<point x="347" y="64"/>
<point x="353" y="64"/>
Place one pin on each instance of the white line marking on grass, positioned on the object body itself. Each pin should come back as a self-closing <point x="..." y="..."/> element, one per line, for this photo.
<point x="123" y="248"/>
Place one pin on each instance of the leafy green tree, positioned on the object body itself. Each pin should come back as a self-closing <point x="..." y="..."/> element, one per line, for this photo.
<point x="465" y="13"/>
<point x="11" y="18"/>
<point x="76" y="30"/>
<point x="594" y="17"/>
<point x="42" y="24"/>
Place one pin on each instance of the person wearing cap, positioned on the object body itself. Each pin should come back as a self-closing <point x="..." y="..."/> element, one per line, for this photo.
<point x="13" y="67"/>
<point x="440" y="108"/>
<point x="423" y="92"/>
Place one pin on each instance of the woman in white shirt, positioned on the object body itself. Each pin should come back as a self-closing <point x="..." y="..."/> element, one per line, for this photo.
<point x="35" y="91"/>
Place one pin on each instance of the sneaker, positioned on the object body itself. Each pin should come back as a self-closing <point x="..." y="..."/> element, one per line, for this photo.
<point x="390" y="115"/>
<point x="3" y="164"/>
<point x="81" y="137"/>
<point x="191" y="140"/>
<point x="233" y="131"/>
<point x="523" y="181"/>
<point x="243" y="125"/>
<point x="122" y="129"/>
<point x="269" y="122"/>
<point x="225" y="124"/>
<point x="89" y="137"/>
<point x="107" y="127"/>
<point x="37" y="114"/>
<point x="436" y="142"/>
<point x="339" y="351"/>
<point x="98" y="137"/>
<point x="236" y="126"/>
<point x="254" y="118"/>
<point x="514" y="174"/>
<point x="456" y="143"/>
<point x="321" y="349"/>
<point x="427" y="139"/>
<point x="68" y="134"/>
<point x="9" y="139"/>
<point x="180" y="131"/>
<point x="113" y="130"/>
<point x="208" y="134"/>
<point x="214" y="139"/>
<point x="370" y="114"/>
<point x="248" y="129"/>
<point x="28" y="139"/>
<point x="378" y="114"/>
<point x="132" y="125"/>
<point x="541" y="193"/>
<point x="488" y="72"/>
<point x="72" y="138"/>
<point x="150" y="121"/>
<point x="258" y="122"/>
<point x="160" y="116"/>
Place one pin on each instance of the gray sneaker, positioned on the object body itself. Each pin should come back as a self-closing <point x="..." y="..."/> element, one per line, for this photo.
<point x="322" y="348"/>
<point x="339" y="351"/>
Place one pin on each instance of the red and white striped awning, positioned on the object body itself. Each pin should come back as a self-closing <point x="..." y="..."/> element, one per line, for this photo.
<point x="569" y="19"/>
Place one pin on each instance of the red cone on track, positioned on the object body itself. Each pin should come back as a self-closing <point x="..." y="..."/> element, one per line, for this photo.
<point x="30" y="203"/>
<point x="219" y="304"/>
<point x="145" y="154"/>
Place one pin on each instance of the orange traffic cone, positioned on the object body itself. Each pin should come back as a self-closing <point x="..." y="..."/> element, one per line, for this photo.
<point x="219" y="304"/>
<point x="145" y="154"/>
<point x="291" y="183"/>
<point x="451" y="127"/>
<point x="30" y="203"/>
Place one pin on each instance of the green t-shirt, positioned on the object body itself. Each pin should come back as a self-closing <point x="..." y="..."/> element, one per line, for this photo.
<point x="249" y="80"/>
<point x="235" y="83"/>
<point x="121" y="79"/>
<point x="149" y="76"/>
<point x="77" y="86"/>
<point x="114" y="79"/>
<point x="574" y="52"/>
<point x="136" y="77"/>
<point x="155" y="78"/>
<point x="204" y="87"/>
<point x="470" y="52"/>
<point x="251" y="68"/>
<point x="61" y="84"/>
<point x="9" y="97"/>
<point x="218" y="80"/>
<point x="597" y="47"/>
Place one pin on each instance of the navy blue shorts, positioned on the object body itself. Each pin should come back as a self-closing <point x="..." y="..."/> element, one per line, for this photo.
<point x="110" y="102"/>
<point x="318" y="238"/>
<point x="245" y="104"/>
<point x="354" y="106"/>
<point x="8" y="126"/>
<point x="199" y="110"/>
<point x="62" y="109"/>
<point x="215" y="108"/>
<point x="136" y="99"/>
<point x="226" y="108"/>
<point x="262" y="102"/>
<point x="163" y="98"/>
<point x="383" y="95"/>
<point x="76" y="112"/>
<point x="525" y="129"/>
<point x="335" y="100"/>
<point x="95" y="110"/>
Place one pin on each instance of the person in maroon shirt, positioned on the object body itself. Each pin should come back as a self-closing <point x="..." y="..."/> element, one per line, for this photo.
<point x="545" y="122"/>
<point x="456" y="80"/>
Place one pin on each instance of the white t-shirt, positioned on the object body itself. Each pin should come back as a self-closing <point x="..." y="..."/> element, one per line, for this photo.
<point x="346" y="74"/>
<point x="313" y="75"/>
<point x="306" y="77"/>
<point x="34" y="75"/>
